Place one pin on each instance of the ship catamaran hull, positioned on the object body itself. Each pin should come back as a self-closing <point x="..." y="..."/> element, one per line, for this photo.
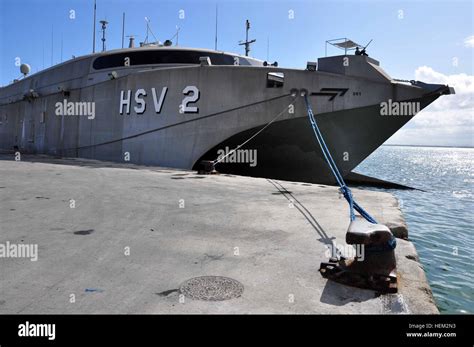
<point x="176" y="116"/>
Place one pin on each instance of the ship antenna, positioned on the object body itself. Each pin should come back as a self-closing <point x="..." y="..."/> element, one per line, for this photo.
<point x="104" y="26"/>
<point x="93" y="35"/>
<point x="123" y="28"/>
<point x="52" y="44"/>
<point x="268" y="48"/>
<point x="176" y="35"/>
<point x="215" y="42"/>
<point x="247" y="42"/>
<point x="148" y="30"/>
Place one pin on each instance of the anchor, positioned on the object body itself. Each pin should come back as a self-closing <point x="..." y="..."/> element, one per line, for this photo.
<point x="376" y="270"/>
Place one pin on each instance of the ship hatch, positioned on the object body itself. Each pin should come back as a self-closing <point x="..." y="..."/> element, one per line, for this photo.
<point x="275" y="79"/>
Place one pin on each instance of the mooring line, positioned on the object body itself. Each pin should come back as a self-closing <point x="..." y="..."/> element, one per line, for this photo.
<point x="219" y="159"/>
<point x="345" y="190"/>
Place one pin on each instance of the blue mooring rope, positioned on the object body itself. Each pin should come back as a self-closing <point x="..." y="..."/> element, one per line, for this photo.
<point x="353" y="205"/>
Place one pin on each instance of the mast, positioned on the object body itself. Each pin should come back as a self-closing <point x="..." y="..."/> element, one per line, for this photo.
<point x="268" y="48"/>
<point x="247" y="43"/>
<point x="123" y="27"/>
<point x="93" y="35"/>
<point x="52" y="44"/>
<point x="104" y="26"/>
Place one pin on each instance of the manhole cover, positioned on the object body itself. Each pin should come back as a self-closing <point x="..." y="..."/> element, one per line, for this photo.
<point x="212" y="288"/>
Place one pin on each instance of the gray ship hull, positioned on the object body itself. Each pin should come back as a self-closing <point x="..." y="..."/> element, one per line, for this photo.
<point x="233" y="103"/>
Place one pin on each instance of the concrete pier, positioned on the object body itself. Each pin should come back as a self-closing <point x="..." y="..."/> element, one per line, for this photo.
<point x="118" y="238"/>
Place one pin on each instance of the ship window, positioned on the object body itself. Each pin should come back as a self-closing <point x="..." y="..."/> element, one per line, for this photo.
<point x="275" y="79"/>
<point x="152" y="57"/>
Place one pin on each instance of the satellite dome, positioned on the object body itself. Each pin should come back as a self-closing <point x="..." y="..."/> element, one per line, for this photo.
<point x="25" y="69"/>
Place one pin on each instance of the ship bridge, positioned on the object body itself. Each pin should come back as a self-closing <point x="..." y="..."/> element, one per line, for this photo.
<point x="168" y="56"/>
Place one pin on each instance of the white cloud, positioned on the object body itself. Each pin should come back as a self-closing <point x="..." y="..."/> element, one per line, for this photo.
<point x="449" y="121"/>
<point x="469" y="41"/>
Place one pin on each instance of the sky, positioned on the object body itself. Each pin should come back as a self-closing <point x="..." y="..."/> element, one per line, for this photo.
<point x="432" y="41"/>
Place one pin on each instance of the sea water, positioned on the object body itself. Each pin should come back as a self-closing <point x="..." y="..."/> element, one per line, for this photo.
<point x="440" y="218"/>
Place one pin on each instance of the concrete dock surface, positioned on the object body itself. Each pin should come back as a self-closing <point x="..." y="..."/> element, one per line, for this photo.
<point x="121" y="238"/>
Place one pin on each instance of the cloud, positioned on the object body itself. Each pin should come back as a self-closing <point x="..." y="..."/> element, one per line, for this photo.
<point x="469" y="41"/>
<point x="449" y="121"/>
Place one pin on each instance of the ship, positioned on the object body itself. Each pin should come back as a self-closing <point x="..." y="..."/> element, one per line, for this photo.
<point x="172" y="106"/>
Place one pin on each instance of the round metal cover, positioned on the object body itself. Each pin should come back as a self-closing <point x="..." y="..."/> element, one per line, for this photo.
<point x="212" y="288"/>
